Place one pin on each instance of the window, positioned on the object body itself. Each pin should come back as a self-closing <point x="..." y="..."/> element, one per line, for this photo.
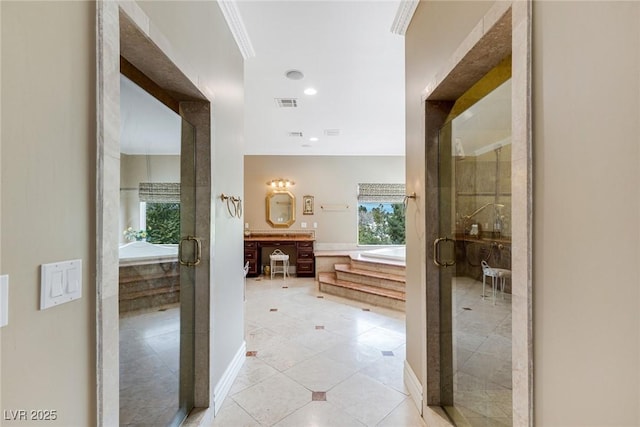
<point x="163" y="223"/>
<point x="160" y="211"/>
<point x="381" y="219"/>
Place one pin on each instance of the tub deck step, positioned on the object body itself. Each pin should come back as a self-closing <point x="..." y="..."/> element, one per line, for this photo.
<point x="381" y="279"/>
<point x="381" y="265"/>
<point x="371" y="294"/>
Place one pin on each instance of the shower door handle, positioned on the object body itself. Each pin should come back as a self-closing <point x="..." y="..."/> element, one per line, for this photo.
<point x="436" y="253"/>
<point x="198" y="254"/>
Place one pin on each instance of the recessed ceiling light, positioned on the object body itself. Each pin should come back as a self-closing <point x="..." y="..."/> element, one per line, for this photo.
<point x="313" y="139"/>
<point x="294" y="75"/>
<point x="310" y="91"/>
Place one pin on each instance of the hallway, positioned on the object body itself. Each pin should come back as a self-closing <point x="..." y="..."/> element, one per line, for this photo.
<point x="320" y="360"/>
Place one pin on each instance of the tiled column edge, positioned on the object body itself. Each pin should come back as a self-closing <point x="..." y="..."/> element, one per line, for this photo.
<point x="107" y="191"/>
<point x="522" y="191"/>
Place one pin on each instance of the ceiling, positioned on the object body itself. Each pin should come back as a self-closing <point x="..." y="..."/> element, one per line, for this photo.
<point x="348" y="53"/>
<point x="146" y="125"/>
<point x="486" y="125"/>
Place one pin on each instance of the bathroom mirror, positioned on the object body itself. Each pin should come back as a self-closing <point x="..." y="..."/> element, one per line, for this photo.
<point x="281" y="209"/>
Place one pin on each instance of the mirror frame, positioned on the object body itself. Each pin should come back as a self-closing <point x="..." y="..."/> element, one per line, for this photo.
<point x="291" y="220"/>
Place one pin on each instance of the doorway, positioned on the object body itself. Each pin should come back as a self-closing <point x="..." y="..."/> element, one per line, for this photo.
<point x="121" y="41"/>
<point x="468" y="223"/>
<point x="474" y="257"/>
<point x="156" y="285"/>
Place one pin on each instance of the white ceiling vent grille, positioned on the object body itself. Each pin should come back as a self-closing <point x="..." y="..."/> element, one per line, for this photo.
<point x="332" y="132"/>
<point x="287" y="102"/>
<point x="295" y="134"/>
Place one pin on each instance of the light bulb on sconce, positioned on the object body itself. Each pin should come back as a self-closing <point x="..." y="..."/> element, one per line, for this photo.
<point x="280" y="184"/>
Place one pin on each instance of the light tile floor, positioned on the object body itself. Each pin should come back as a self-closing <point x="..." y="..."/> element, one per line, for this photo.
<point x="482" y="350"/>
<point x="306" y="344"/>
<point x="149" y="353"/>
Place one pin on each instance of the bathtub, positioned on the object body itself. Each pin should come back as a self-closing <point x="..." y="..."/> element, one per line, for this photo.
<point x="395" y="253"/>
<point x="149" y="276"/>
<point x="144" y="253"/>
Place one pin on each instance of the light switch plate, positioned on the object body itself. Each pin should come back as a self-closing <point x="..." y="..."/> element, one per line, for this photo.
<point x="4" y="300"/>
<point x="60" y="282"/>
<point x="303" y="225"/>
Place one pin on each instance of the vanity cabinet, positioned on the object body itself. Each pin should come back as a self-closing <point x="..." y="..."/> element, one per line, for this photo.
<point x="298" y="247"/>
<point x="251" y="256"/>
<point x="305" y="262"/>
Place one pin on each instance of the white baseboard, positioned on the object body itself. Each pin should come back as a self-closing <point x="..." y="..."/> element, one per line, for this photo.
<point x="226" y="381"/>
<point x="413" y="385"/>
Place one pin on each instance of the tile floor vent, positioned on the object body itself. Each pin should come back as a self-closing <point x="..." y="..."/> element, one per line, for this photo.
<point x="287" y="102"/>
<point x="295" y="134"/>
<point x="332" y="132"/>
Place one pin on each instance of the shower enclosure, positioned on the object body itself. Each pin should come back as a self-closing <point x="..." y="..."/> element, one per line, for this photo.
<point x="474" y="195"/>
<point x="157" y="276"/>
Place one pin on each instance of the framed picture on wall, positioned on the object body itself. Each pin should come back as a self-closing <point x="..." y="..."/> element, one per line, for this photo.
<point x="307" y="205"/>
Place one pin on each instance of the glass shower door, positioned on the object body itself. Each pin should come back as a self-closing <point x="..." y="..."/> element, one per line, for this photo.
<point x="474" y="203"/>
<point x="158" y="262"/>
<point x="189" y="258"/>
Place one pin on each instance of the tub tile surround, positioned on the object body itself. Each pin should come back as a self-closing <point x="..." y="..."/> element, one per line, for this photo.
<point x="375" y="281"/>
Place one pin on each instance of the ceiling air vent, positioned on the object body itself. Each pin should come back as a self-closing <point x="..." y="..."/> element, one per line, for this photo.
<point x="295" y="134"/>
<point x="287" y="102"/>
<point x="332" y="132"/>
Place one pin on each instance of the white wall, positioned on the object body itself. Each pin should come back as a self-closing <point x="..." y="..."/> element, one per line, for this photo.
<point x="586" y="58"/>
<point x="48" y="199"/>
<point x="198" y="31"/>
<point x="329" y="179"/>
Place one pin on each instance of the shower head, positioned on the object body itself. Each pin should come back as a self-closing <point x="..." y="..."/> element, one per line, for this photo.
<point x="481" y="208"/>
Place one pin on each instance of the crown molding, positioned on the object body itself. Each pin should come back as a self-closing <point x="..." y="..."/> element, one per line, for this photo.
<point x="405" y="12"/>
<point x="236" y="25"/>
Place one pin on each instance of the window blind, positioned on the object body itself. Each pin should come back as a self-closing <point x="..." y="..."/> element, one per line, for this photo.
<point x="159" y="192"/>
<point x="389" y="193"/>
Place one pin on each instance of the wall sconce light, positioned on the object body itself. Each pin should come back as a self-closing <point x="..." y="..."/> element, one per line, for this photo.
<point x="280" y="184"/>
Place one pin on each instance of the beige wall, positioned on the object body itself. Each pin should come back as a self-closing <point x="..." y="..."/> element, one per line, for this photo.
<point x="586" y="213"/>
<point x="48" y="199"/>
<point x="436" y="30"/>
<point x="332" y="180"/>
<point x="586" y="283"/>
<point x="135" y="169"/>
<point x="48" y="190"/>
<point x="1" y="270"/>
<point x="199" y="32"/>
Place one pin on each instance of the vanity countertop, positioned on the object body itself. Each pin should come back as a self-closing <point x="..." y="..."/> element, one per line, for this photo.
<point x="280" y="236"/>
